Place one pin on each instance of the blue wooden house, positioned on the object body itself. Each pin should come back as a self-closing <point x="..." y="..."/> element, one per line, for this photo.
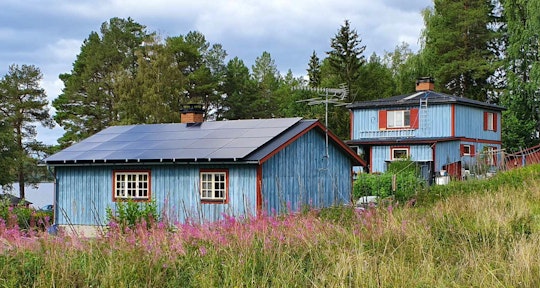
<point x="438" y="131"/>
<point x="202" y="170"/>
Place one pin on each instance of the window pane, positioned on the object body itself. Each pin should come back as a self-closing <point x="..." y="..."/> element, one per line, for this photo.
<point x="132" y="185"/>
<point x="390" y="120"/>
<point x="213" y="185"/>
<point x="407" y="118"/>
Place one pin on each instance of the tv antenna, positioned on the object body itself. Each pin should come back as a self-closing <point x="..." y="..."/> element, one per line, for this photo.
<point x="333" y="96"/>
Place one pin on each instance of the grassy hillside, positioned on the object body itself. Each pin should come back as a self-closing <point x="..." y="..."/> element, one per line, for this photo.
<point x="473" y="234"/>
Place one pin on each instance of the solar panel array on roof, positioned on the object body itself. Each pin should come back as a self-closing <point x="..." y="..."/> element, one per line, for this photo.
<point x="210" y="140"/>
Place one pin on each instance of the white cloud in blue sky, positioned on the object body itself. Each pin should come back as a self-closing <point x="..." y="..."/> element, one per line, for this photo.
<point x="49" y="33"/>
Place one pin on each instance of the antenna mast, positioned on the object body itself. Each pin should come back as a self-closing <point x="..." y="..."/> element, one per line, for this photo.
<point x="333" y="96"/>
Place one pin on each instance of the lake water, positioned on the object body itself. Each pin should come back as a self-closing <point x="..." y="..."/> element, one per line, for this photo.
<point x="40" y="196"/>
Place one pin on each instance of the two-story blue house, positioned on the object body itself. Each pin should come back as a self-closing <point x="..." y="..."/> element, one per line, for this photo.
<point x="436" y="130"/>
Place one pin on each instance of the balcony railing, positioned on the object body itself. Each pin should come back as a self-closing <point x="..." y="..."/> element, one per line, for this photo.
<point x="401" y="133"/>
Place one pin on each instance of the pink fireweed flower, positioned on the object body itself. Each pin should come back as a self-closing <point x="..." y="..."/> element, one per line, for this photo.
<point x="202" y="251"/>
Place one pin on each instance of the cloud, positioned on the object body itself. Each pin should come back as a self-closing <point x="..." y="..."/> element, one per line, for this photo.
<point x="49" y="33"/>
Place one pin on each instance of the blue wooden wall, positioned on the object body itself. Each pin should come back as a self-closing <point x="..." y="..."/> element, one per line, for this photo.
<point x="301" y="175"/>
<point x="438" y="124"/>
<point x="84" y="193"/>
<point x="382" y="154"/>
<point x="469" y="123"/>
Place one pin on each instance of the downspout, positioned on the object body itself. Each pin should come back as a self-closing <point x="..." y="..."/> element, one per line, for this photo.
<point x="52" y="171"/>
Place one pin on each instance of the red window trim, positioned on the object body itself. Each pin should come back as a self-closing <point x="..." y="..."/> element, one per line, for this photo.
<point x="494" y="121"/>
<point x="471" y="150"/>
<point x="114" y="199"/>
<point x="206" y="201"/>
<point x="413" y="119"/>
<point x="408" y="148"/>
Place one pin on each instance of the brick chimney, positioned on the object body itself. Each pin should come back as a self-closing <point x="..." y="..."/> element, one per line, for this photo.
<point x="192" y="113"/>
<point x="425" y="84"/>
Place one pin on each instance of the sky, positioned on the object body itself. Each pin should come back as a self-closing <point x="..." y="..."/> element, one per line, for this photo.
<point x="49" y="33"/>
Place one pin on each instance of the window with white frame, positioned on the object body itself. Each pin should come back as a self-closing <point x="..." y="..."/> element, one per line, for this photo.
<point x="400" y="153"/>
<point x="490" y="123"/>
<point x="214" y="185"/>
<point x="132" y="185"/>
<point x="466" y="149"/>
<point x="398" y="118"/>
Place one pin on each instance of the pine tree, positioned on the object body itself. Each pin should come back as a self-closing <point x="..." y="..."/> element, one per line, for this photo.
<point x="89" y="100"/>
<point x="457" y="38"/>
<point x="23" y="103"/>
<point x="346" y="58"/>
<point x="314" y="70"/>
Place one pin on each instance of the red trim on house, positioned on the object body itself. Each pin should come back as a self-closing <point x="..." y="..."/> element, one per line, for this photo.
<point x="414" y="121"/>
<point x="485" y="141"/>
<point x="485" y="121"/>
<point x="382" y="120"/>
<point x="370" y="159"/>
<point x="495" y="122"/>
<point x="331" y="135"/>
<point x="392" y="148"/>
<point x="500" y="134"/>
<point x="351" y="124"/>
<point x="453" y="120"/>
<point x="114" y="199"/>
<point x="259" y="191"/>
<point x="471" y="150"/>
<point x="226" y="201"/>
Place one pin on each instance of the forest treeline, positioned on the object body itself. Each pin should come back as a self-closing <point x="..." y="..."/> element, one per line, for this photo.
<point x="486" y="50"/>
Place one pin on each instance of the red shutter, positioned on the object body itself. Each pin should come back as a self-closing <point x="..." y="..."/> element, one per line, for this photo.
<point x="382" y="119"/>
<point x="472" y="152"/>
<point x="485" y="121"/>
<point x="414" y="119"/>
<point x="462" y="149"/>
<point x="495" y="122"/>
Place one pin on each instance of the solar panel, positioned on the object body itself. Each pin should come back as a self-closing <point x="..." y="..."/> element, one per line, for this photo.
<point x="233" y="139"/>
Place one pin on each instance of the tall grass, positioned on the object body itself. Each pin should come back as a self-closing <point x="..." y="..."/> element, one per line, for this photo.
<point x="462" y="238"/>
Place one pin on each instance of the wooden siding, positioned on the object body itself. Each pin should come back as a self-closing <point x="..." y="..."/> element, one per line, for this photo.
<point x="446" y="153"/>
<point x="437" y="124"/>
<point x="301" y="175"/>
<point x="470" y="124"/>
<point x="450" y="152"/>
<point x="84" y="193"/>
<point x="381" y="155"/>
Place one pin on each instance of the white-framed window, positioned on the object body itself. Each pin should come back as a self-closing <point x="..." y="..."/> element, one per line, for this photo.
<point x="489" y="121"/>
<point x="214" y="185"/>
<point x="399" y="153"/>
<point x="398" y="118"/>
<point x="466" y="149"/>
<point x="131" y="185"/>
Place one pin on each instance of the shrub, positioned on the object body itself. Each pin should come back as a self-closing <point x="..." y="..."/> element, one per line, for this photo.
<point x="131" y="213"/>
<point x="407" y="185"/>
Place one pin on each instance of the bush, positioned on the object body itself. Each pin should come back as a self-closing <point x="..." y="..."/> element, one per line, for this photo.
<point x="23" y="217"/>
<point x="408" y="182"/>
<point x="131" y="213"/>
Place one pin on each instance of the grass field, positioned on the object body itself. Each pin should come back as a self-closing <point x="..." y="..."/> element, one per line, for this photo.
<point x="473" y="234"/>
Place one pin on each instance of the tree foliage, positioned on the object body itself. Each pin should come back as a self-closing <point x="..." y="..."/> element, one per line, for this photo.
<point x="23" y="104"/>
<point x="457" y="38"/>
<point x="90" y="101"/>
<point x="521" y="122"/>
<point x="346" y="58"/>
